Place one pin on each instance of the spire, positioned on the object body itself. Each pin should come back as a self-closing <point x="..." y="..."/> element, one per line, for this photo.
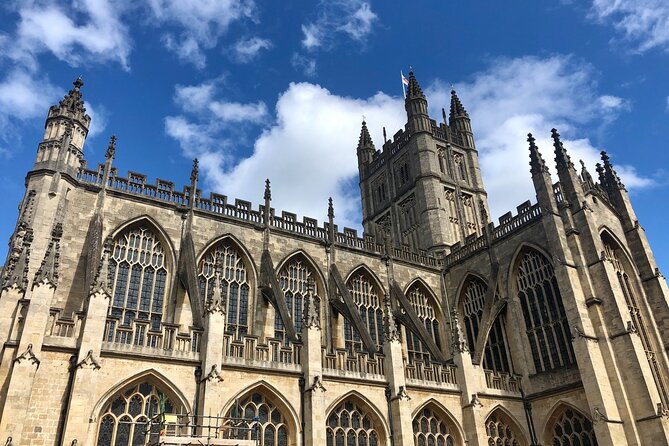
<point x="331" y="213"/>
<point x="195" y="171"/>
<point x="268" y="192"/>
<point x="612" y="178"/>
<point x="73" y="100"/>
<point x="537" y="163"/>
<point x="413" y="89"/>
<point x="48" y="270"/>
<point x="111" y="148"/>
<point x="562" y="158"/>
<point x="457" y="109"/>
<point x="365" y="140"/>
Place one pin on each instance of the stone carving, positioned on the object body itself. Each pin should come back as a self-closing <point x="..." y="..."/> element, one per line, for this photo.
<point x="111" y="149"/>
<point x="598" y="416"/>
<point x="48" y="270"/>
<point x="662" y="411"/>
<point x="390" y="330"/>
<point x="317" y="385"/>
<point x="16" y="269"/>
<point x="402" y="394"/>
<point x="29" y="356"/>
<point x="459" y="342"/>
<point x="102" y="280"/>
<point x="214" y="375"/>
<point x="89" y="361"/>
<point x="578" y="332"/>
<point x="476" y="402"/>
<point x="310" y="317"/>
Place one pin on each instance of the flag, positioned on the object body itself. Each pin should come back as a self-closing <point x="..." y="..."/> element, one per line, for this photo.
<point x="405" y="81"/>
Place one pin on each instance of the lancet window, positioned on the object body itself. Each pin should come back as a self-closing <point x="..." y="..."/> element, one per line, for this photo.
<point x="543" y="311"/>
<point x="139" y="282"/>
<point x="496" y="355"/>
<point x="234" y="282"/>
<point x="501" y="431"/>
<point x="368" y="298"/>
<point x="350" y="425"/>
<point x="272" y="429"/>
<point x="123" y="420"/>
<point x="429" y="429"/>
<point x="625" y="274"/>
<point x="422" y="305"/>
<point x="454" y="222"/>
<point x="573" y="429"/>
<point x="294" y="279"/>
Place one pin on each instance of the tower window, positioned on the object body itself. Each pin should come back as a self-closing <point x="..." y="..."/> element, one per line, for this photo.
<point x="460" y="165"/>
<point x="403" y="173"/>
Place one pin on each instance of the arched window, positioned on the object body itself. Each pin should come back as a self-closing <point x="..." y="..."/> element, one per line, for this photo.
<point x="543" y="311"/>
<point x="235" y="287"/>
<point x="350" y="425"/>
<point x="294" y="279"/>
<point x="430" y="429"/>
<point x="368" y="297"/>
<point x="496" y="355"/>
<point x="273" y="427"/>
<point x="572" y="429"/>
<point x="625" y="274"/>
<point x="139" y="282"/>
<point x="502" y="431"/>
<point x="422" y="305"/>
<point x="124" y="419"/>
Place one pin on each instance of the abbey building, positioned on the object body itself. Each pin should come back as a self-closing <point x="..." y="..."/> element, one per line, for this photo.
<point x="136" y="311"/>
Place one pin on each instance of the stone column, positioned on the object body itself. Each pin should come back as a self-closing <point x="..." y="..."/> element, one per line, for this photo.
<point x="312" y="367"/>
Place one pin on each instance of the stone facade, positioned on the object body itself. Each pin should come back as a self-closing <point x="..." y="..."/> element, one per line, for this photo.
<point x="122" y="300"/>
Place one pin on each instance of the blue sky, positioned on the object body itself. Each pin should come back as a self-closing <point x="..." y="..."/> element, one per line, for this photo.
<point x="278" y="89"/>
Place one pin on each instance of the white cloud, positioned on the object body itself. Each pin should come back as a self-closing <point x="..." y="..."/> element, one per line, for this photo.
<point x="304" y="64"/>
<point x="353" y="18"/>
<point x="245" y="50"/>
<point x="643" y="22"/>
<point x="84" y="30"/>
<point x="202" y="23"/>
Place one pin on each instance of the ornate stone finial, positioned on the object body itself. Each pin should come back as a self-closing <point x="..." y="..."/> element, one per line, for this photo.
<point x="365" y="140"/>
<point x="562" y="158"/>
<point x="612" y="178"/>
<point x="484" y="212"/>
<point x="413" y="89"/>
<point x="537" y="163"/>
<point x="457" y="109"/>
<point x="29" y="356"/>
<point x="73" y="100"/>
<point x="390" y="330"/>
<point x="16" y="269"/>
<point x="111" y="148"/>
<point x="195" y="171"/>
<point x="102" y="280"/>
<point x="331" y="214"/>
<point x="585" y="175"/>
<point x="48" y="270"/>
<point x="458" y="340"/>
<point x="600" y="174"/>
<point x="311" y="314"/>
<point x="268" y="191"/>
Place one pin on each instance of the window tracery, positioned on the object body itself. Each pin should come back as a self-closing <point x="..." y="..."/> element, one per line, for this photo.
<point x="273" y="426"/>
<point x="543" y="311"/>
<point x="573" y="429"/>
<point x="139" y="280"/>
<point x="350" y="425"/>
<point x="294" y="279"/>
<point x="429" y="429"/>
<point x="422" y="305"/>
<point x="501" y="432"/>
<point x="123" y="420"/>
<point x="235" y="285"/>
<point x="496" y="355"/>
<point x="367" y="296"/>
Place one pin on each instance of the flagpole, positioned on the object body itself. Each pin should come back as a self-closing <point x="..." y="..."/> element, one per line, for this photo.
<point x="402" y="81"/>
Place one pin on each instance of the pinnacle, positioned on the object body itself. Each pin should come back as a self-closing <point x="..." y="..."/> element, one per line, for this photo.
<point x="457" y="109"/>
<point x="562" y="158"/>
<point x="365" y="140"/>
<point x="111" y="148"/>
<point x="73" y="100"/>
<point x="413" y="89"/>
<point x="610" y="173"/>
<point x="537" y="163"/>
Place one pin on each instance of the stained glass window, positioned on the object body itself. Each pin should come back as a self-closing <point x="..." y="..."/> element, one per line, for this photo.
<point x="429" y="429"/>
<point x="349" y="425"/>
<point x="294" y="279"/>
<point x="573" y="429"/>
<point x="545" y="319"/>
<point x="368" y="298"/>
<point x="139" y="278"/>
<point x="424" y="308"/>
<point x="272" y="428"/>
<point x="234" y="281"/>
<point x="501" y="431"/>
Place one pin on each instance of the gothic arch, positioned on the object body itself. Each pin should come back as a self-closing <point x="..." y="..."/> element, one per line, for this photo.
<point x="604" y="233"/>
<point x="159" y="230"/>
<point x="521" y="249"/>
<point x="585" y="424"/>
<point x="366" y="405"/>
<point x="502" y="415"/>
<point x="151" y="375"/>
<point x="445" y="414"/>
<point x="277" y="398"/>
<point x="246" y="255"/>
<point x="432" y="296"/>
<point x="368" y="271"/>
<point x="469" y="276"/>
<point x="312" y="264"/>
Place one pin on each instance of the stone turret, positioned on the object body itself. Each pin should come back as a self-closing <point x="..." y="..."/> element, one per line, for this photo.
<point x="458" y="119"/>
<point x="366" y="149"/>
<point x="416" y="107"/>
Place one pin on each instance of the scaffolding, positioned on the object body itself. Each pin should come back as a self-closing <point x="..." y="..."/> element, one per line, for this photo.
<point x="183" y="429"/>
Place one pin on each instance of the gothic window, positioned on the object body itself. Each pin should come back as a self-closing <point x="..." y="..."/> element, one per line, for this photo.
<point x="422" y="305"/>
<point x="408" y="221"/>
<point x="403" y="173"/>
<point x="496" y="356"/>
<point x="470" y="214"/>
<point x="137" y="266"/>
<point x="625" y="276"/>
<point x="294" y="279"/>
<point x="234" y="281"/>
<point x="368" y="298"/>
<point x="454" y="223"/>
<point x="543" y="311"/>
<point x="502" y="431"/>
<point x="572" y="429"/>
<point x="273" y="426"/>
<point x="350" y="425"/>
<point x="429" y="429"/>
<point x="124" y="419"/>
<point x="460" y="165"/>
<point x="379" y="190"/>
<point x="441" y="161"/>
